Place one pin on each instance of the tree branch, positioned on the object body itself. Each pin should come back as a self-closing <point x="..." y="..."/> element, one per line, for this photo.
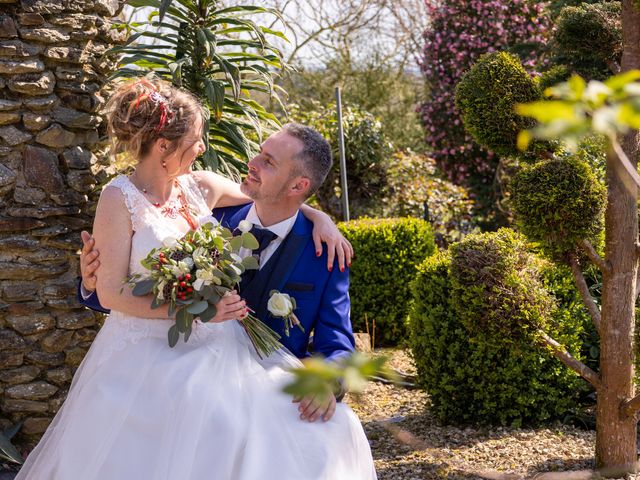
<point x="624" y="160"/>
<point x="593" y="255"/>
<point x="631" y="406"/>
<point x="570" y="361"/>
<point x="581" y="283"/>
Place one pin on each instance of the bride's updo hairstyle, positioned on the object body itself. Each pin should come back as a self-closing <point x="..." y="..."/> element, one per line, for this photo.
<point x="141" y="111"/>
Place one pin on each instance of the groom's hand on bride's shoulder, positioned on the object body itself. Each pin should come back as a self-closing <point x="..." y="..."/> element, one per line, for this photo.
<point x="89" y="262"/>
<point x="311" y="409"/>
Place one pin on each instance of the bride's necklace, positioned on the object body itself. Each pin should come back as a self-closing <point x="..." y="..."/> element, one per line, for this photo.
<point x="173" y="208"/>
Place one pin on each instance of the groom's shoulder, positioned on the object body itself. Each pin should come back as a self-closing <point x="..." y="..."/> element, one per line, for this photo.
<point x="224" y="214"/>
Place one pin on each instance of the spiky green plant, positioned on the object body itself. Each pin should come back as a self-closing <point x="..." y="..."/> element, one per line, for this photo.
<point x="221" y="55"/>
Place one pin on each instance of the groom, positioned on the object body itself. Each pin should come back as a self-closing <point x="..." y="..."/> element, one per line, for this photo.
<point x="290" y="167"/>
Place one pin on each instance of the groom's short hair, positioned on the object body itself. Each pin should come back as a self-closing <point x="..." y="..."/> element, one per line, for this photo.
<point x="314" y="160"/>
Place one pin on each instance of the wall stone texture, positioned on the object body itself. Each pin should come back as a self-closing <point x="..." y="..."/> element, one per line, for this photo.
<point x="52" y="71"/>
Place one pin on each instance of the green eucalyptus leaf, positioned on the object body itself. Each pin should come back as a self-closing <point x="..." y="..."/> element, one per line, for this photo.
<point x="197" y="307"/>
<point x="236" y="243"/>
<point x="249" y="241"/>
<point x="209" y="313"/>
<point x="143" y="287"/>
<point x="174" y="335"/>
<point x="250" y="263"/>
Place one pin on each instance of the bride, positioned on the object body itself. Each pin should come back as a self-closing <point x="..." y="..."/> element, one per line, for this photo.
<point x="206" y="409"/>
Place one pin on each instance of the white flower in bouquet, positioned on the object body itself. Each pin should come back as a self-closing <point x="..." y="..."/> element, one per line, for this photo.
<point x="186" y="264"/>
<point x="161" y="285"/>
<point x="203" y="277"/>
<point x="245" y="226"/>
<point x="200" y="257"/>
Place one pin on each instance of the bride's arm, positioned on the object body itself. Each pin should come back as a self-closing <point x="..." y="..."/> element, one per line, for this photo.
<point x="112" y="232"/>
<point x="222" y="192"/>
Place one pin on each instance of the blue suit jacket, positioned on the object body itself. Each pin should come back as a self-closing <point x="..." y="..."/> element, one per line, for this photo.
<point x="322" y="297"/>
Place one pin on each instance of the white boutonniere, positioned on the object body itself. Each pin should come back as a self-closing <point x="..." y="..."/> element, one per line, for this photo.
<point x="282" y="305"/>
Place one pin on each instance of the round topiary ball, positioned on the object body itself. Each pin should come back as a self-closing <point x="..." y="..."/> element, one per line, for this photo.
<point x="486" y="97"/>
<point x="558" y="203"/>
<point x="589" y="38"/>
<point x="496" y="281"/>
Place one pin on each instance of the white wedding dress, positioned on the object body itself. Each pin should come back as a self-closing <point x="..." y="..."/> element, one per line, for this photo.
<point x="208" y="409"/>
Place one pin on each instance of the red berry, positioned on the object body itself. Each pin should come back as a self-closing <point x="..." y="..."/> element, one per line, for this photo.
<point x="189" y="289"/>
<point x="187" y="277"/>
<point x="161" y="255"/>
<point x="183" y="284"/>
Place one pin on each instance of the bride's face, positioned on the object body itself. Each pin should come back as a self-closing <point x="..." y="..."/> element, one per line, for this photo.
<point x="191" y="147"/>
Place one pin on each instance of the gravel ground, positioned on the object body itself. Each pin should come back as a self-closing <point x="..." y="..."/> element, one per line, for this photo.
<point x="409" y="444"/>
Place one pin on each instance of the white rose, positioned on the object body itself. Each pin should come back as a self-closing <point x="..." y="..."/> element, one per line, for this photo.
<point x="186" y="264"/>
<point x="170" y="242"/>
<point x="245" y="226"/>
<point x="203" y="277"/>
<point x="280" y="305"/>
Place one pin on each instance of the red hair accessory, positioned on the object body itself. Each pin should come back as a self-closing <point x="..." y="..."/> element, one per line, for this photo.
<point x="159" y="100"/>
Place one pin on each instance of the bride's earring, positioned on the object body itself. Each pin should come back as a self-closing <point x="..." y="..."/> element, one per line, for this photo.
<point x="164" y="164"/>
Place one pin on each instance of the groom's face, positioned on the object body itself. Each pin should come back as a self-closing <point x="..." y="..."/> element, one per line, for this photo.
<point x="271" y="172"/>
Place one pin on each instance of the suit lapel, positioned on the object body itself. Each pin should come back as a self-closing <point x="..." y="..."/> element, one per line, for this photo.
<point x="236" y="218"/>
<point x="284" y="260"/>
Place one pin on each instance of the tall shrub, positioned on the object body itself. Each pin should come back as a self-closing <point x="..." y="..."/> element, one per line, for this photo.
<point x="461" y="31"/>
<point x="416" y="189"/>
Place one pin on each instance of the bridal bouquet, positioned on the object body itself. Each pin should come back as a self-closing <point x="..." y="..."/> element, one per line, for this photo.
<point x="193" y="273"/>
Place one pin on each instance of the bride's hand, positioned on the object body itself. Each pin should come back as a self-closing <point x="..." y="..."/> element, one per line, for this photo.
<point x="230" y="307"/>
<point x="324" y="230"/>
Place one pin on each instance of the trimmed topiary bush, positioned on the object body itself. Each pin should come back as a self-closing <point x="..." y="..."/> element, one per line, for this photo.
<point x="496" y="285"/>
<point x="556" y="74"/>
<point x="387" y="252"/>
<point x="477" y="377"/>
<point x="557" y="203"/>
<point x="588" y="38"/>
<point x="486" y="97"/>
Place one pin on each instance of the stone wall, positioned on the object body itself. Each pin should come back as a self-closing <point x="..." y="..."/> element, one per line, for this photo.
<point x="52" y="70"/>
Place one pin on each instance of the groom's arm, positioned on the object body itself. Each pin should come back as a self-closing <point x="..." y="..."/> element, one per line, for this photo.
<point x="333" y="334"/>
<point x="90" y="299"/>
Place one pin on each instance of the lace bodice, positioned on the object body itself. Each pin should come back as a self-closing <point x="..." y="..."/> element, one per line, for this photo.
<point x="150" y="227"/>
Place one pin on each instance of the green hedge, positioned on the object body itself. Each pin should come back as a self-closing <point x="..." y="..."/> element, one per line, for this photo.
<point x="486" y="378"/>
<point x="387" y="251"/>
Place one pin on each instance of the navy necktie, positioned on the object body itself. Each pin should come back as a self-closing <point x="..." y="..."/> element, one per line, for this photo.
<point x="264" y="238"/>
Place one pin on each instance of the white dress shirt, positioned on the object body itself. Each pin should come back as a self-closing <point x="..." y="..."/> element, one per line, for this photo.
<point x="281" y="229"/>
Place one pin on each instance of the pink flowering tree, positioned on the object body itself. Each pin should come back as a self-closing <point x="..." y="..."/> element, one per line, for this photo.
<point x="459" y="32"/>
